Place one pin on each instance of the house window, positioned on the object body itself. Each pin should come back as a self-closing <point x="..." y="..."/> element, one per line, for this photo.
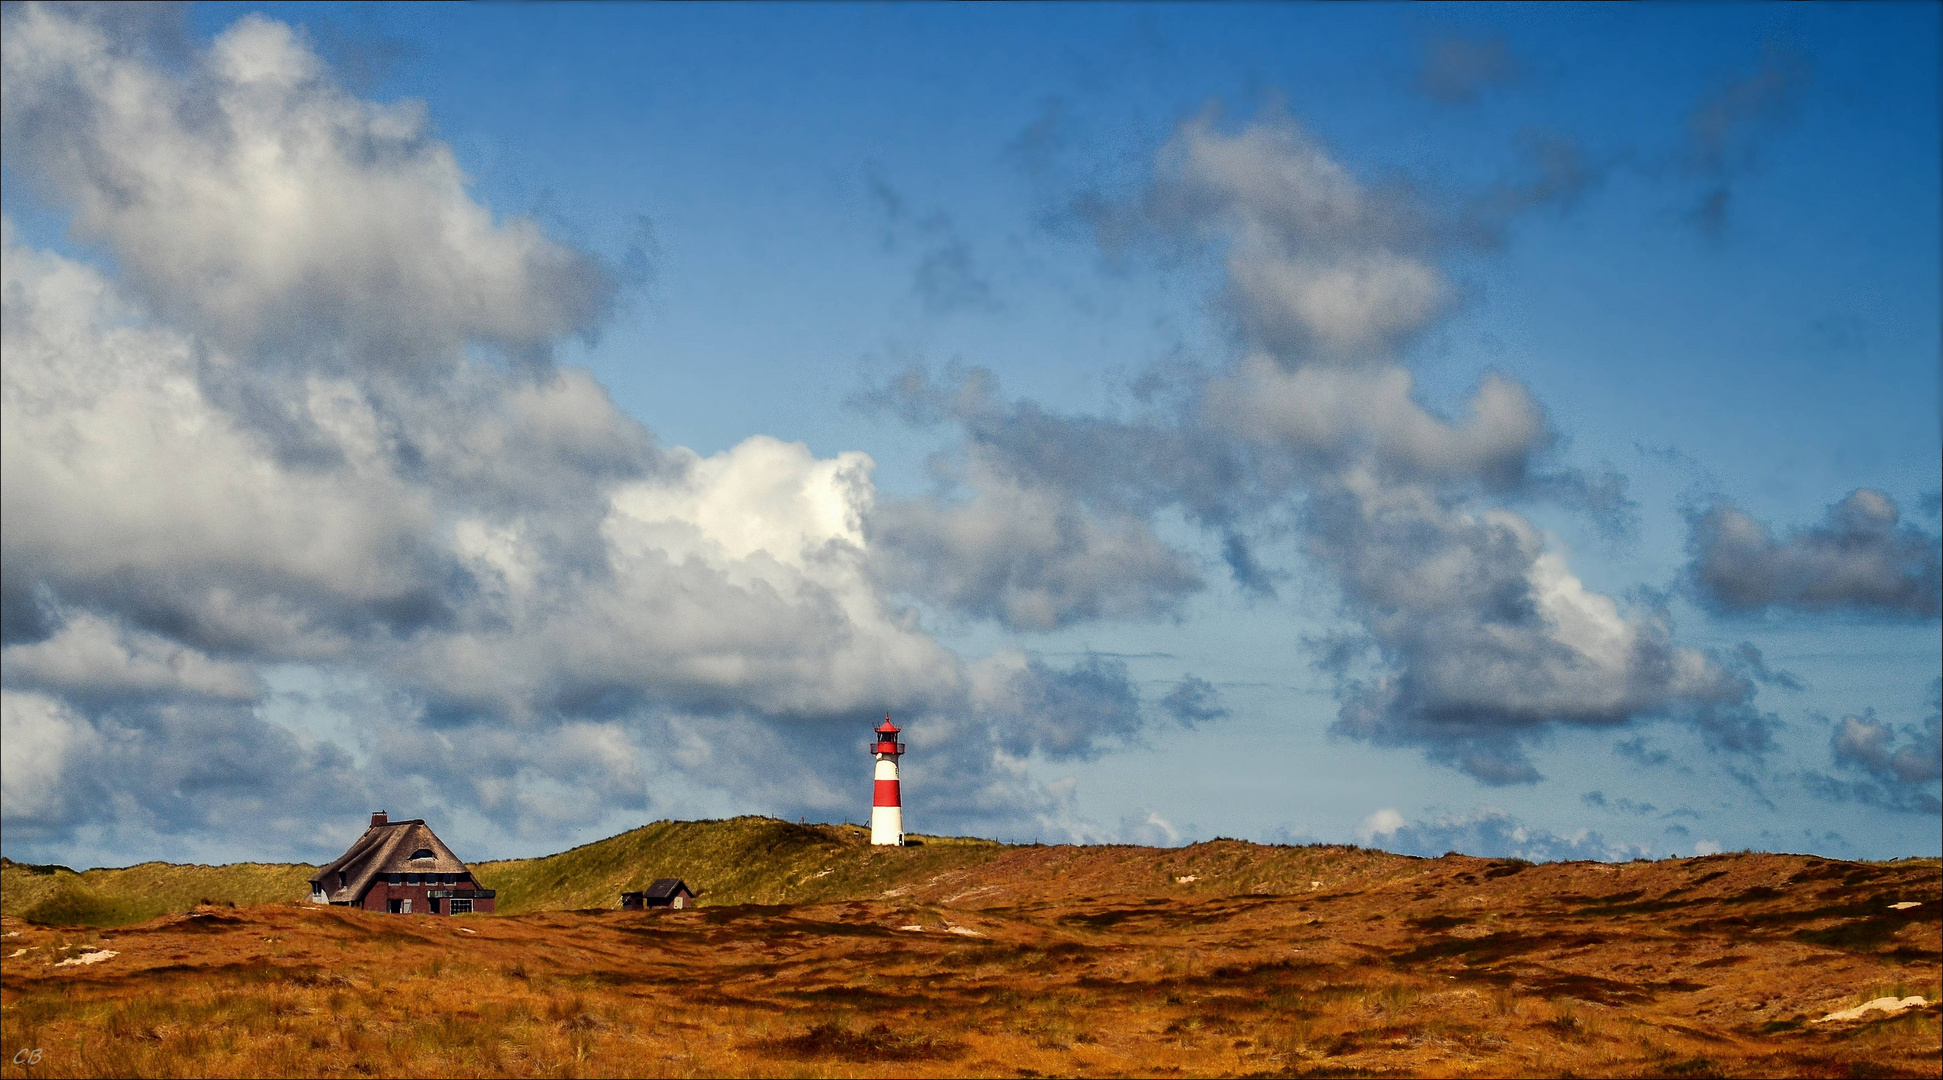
<point x="405" y="907"/>
<point x="461" y="906"/>
<point x="423" y="854"/>
<point x="393" y="907"/>
<point x="412" y="879"/>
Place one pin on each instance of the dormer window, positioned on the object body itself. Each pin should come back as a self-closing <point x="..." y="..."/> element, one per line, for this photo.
<point x="423" y="854"/>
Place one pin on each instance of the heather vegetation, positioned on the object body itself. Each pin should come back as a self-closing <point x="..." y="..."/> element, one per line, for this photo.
<point x="815" y="955"/>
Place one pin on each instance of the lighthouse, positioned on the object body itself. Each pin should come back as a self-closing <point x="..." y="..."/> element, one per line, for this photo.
<point x="887" y="806"/>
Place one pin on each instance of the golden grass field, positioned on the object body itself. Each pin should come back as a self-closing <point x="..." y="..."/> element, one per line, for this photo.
<point x="1220" y="959"/>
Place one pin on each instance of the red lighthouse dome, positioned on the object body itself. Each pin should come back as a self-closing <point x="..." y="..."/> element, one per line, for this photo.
<point x="887" y="738"/>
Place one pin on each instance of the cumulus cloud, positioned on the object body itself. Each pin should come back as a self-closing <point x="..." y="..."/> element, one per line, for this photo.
<point x="1317" y="263"/>
<point x="310" y="426"/>
<point x="1861" y="557"/>
<point x="263" y="207"/>
<point x="1888" y="765"/>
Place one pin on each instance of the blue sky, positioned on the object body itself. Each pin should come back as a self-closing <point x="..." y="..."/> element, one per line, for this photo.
<point x="1700" y="241"/>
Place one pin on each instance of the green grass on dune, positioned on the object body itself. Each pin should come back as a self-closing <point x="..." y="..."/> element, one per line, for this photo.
<point x="745" y="860"/>
<point x="55" y="895"/>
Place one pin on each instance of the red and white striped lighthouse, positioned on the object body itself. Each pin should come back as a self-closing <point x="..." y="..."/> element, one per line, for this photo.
<point x="887" y="804"/>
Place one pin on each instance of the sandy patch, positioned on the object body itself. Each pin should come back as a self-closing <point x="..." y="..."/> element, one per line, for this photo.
<point x="1905" y="905"/>
<point x="88" y="958"/>
<point x="1887" y="1005"/>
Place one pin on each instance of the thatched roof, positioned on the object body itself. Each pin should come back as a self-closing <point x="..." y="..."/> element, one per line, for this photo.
<point x="385" y="849"/>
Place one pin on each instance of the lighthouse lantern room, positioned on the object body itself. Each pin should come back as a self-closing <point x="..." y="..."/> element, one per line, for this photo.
<point x="887" y="804"/>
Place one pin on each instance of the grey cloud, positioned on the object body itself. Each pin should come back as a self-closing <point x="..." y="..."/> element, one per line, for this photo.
<point x="946" y="278"/>
<point x="1892" y="766"/>
<point x="1457" y="70"/>
<point x="1638" y="751"/>
<point x="1728" y="124"/>
<point x="1074" y="713"/>
<point x="1598" y="801"/>
<point x="1193" y="701"/>
<point x="1557" y="173"/>
<point x="1864" y="742"/>
<point x="1254" y="579"/>
<point x="1859" y="558"/>
<point x="1747" y="660"/>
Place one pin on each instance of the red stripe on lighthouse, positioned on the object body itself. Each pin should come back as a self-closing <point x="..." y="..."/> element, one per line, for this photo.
<point x="886" y="794"/>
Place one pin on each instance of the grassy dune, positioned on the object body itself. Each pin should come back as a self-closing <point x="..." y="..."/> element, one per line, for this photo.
<point x="745" y="860"/>
<point x="56" y="895"/>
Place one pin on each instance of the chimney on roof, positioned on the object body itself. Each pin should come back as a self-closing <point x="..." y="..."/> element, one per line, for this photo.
<point x="378" y="818"/>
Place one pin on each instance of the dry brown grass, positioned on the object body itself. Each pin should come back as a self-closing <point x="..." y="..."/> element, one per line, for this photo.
<point x="1085" y="962"/>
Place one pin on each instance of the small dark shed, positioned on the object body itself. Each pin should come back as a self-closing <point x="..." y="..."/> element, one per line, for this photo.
<point x="665" y="893"/>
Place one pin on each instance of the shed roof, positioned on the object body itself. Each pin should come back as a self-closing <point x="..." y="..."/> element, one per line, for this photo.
<point x="385" y="849"/>
<point x="666" y="887"/>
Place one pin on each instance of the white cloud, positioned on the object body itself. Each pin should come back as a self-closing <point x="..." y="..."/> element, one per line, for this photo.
<point x="1382" y="823"/>
<point x="272" y="212"/>
<point x="42" y="736"/>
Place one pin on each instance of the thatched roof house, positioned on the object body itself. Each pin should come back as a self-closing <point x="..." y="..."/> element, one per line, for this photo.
<point x="403" y="867"/>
